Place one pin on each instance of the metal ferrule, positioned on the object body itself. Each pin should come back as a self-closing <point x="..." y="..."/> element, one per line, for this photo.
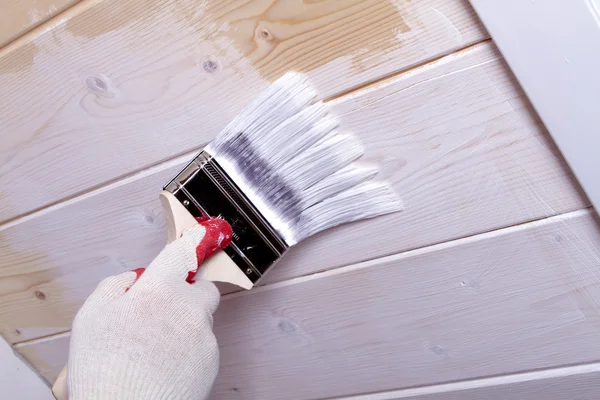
<point x="204" y="189"/>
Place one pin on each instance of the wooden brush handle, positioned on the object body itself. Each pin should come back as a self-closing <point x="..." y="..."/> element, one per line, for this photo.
<point x="59" y="389"/>
<point x="218" y="268"/>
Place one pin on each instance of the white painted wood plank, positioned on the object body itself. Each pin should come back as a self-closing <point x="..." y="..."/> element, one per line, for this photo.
<point x="47" y="355"/>
<point x="456" y="139"/>
<point x="553" y="47"/>
<point x="581" y="382"/>
<point x="104" y="92"/>
<point x="527" y="298"/>
<point x="522" y="298"/>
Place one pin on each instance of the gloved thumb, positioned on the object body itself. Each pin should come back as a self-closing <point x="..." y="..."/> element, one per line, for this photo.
<point x="180" y="260"/>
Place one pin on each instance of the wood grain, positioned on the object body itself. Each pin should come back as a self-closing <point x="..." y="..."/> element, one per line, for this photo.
<point x="47" y="268"/>
<point x="20" y="16"/>
<point x="105" y="93"/>
<point x="521" y="298"/>
<point x="456" y="139"/>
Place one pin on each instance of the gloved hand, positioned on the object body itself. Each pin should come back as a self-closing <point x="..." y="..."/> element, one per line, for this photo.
<point x="148" y="334"/>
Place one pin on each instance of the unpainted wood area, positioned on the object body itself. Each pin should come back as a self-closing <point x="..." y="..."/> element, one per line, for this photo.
<point x="490" y="271"/>
<point x="477" y="120"/>
<point x="105" y="93"/>
<point x="513" y="300"/>
<point x="17" y="17"/>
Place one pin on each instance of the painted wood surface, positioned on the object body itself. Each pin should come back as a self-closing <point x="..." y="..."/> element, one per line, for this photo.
<point x="521" y="298"/>
<point x="580" y="382"/>
<point x="20" y="16"/>
<point x="553" y="47"/>
<point x="105" y="93"/>
<point x="425" y="129"/>
<point x="443" y="301"/>
<point x="48" y="355"/>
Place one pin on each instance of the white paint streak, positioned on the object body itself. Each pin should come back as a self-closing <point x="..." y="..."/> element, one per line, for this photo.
<point x="52" y="24"/>
<point x="421" y="70"/>
<point x="594" y="10"/>
<point x="449" y="24"/>
<point x="34" y="16"/>
<point x="428" y="80"/>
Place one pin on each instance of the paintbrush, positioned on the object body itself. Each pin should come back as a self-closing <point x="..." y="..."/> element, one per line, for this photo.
<point x="280" y="172"/>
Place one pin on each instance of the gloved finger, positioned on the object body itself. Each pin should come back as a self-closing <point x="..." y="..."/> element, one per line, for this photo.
<point x="180" y="259"/>
<point x="114" y="286"/>
<point x="205" y="296"/>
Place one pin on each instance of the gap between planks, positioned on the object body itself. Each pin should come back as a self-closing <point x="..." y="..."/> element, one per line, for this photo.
<point x="47" y="25"/>
<point x="44" y="24"/>
<point x="103" y="188"/>
<point x="456" y="386"/>
<point x="366" y="264"/>
<point x="30" y="366"/>
<point x="409" y="71"/>
<point x="182" y="158"/>
<point x="499" y="380"/>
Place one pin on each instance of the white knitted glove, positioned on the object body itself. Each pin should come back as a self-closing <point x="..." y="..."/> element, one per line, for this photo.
<point x="151" y="338"/>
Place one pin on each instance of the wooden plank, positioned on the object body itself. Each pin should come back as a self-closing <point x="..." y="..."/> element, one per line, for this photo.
<point x="553" y="47"/>
<point x="17" y="380"/>
<point x="47" y="356"/>
<point x="20" y="16"/>
<point x="581" y="382"/>
<point x="426" y="129"/>
<point x="49" y="269"/>
<point x="521" y="298"/>
<point x="105" y="93"/>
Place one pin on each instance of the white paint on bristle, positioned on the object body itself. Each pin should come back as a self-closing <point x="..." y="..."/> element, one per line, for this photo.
<point x="288" y="157"/>
<point x="366" y="200"/>
<point x="333" y="184"/>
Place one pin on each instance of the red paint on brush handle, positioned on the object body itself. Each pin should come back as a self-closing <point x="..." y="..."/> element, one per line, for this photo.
<point x="218" y="236"/>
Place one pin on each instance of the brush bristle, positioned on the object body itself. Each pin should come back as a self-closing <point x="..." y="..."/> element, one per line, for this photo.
<point x="287" y="156"/>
